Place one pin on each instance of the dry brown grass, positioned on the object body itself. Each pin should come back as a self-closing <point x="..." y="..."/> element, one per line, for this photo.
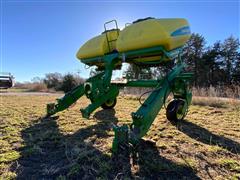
<point x="221" y="91"/>
<point x="215" y="102"/>
<point x="224" y="91"/>
<point x="34" y="86"/>
<point x="213" y="97"/>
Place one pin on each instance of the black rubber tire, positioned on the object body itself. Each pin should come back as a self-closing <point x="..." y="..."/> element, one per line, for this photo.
<point x="109" y="104"/>
<point x="172" y="110"/>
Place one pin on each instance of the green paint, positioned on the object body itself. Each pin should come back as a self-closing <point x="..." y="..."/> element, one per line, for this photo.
<point x="100" y="90"/>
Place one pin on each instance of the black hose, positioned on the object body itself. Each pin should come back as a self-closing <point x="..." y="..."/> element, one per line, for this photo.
<point x="139" y="99"/>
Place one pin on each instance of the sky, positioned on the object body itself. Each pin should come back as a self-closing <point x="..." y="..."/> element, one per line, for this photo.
<point x="39" y="37"/>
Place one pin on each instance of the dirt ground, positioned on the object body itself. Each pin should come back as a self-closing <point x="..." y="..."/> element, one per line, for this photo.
<point x="205" y="145"/>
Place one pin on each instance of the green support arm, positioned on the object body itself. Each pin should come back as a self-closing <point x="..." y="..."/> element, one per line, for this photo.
<point x="110" y="94"/>
<point x="66" y="101"/>
<point x="101" y="89"/>
<point x="72" y="96"/>
<point x="97" y="88"/>
<point x="145" y="115"/>
<point x="137" y="83"/>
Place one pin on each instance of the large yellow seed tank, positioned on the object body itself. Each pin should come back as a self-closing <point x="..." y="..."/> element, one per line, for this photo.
<point x="99" y="45"/>
<point x="169" y="33"/>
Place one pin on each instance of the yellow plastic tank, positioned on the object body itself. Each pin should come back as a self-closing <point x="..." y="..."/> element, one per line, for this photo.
<point x="169" y="33"/>
<point x="99" y="45"/>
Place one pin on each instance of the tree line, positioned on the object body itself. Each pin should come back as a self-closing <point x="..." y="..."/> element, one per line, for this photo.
<point x="215" y="65"/>
<point x="52" y="81"/>
<point x="61" y="82"/>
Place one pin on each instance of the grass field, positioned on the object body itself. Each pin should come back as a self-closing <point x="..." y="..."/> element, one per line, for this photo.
<point x="206" y="144"/>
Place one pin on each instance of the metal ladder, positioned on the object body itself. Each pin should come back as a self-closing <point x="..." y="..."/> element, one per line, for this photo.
<point x="106" y="31"/>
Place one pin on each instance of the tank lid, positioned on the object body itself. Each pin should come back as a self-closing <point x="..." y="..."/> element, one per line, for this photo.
<point x="144" y="19"/>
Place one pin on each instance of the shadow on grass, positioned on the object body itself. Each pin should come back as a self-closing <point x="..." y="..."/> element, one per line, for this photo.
<point x="205" y="136"/>
<point x="153" y="166"/>
<point x="49" y="154"/>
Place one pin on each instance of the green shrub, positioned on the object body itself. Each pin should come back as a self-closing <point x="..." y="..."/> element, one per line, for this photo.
<point x="68" y="83"/>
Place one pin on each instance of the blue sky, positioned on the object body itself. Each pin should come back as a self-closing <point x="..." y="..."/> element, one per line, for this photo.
<point x="38" y="37"/>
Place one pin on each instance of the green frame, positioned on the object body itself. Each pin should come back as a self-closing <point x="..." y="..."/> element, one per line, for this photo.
<point x="127" y="56"/>
<point x="99" y="90"/>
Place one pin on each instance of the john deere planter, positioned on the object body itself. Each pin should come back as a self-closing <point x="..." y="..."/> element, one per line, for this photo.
<point x="146" y="42"/>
